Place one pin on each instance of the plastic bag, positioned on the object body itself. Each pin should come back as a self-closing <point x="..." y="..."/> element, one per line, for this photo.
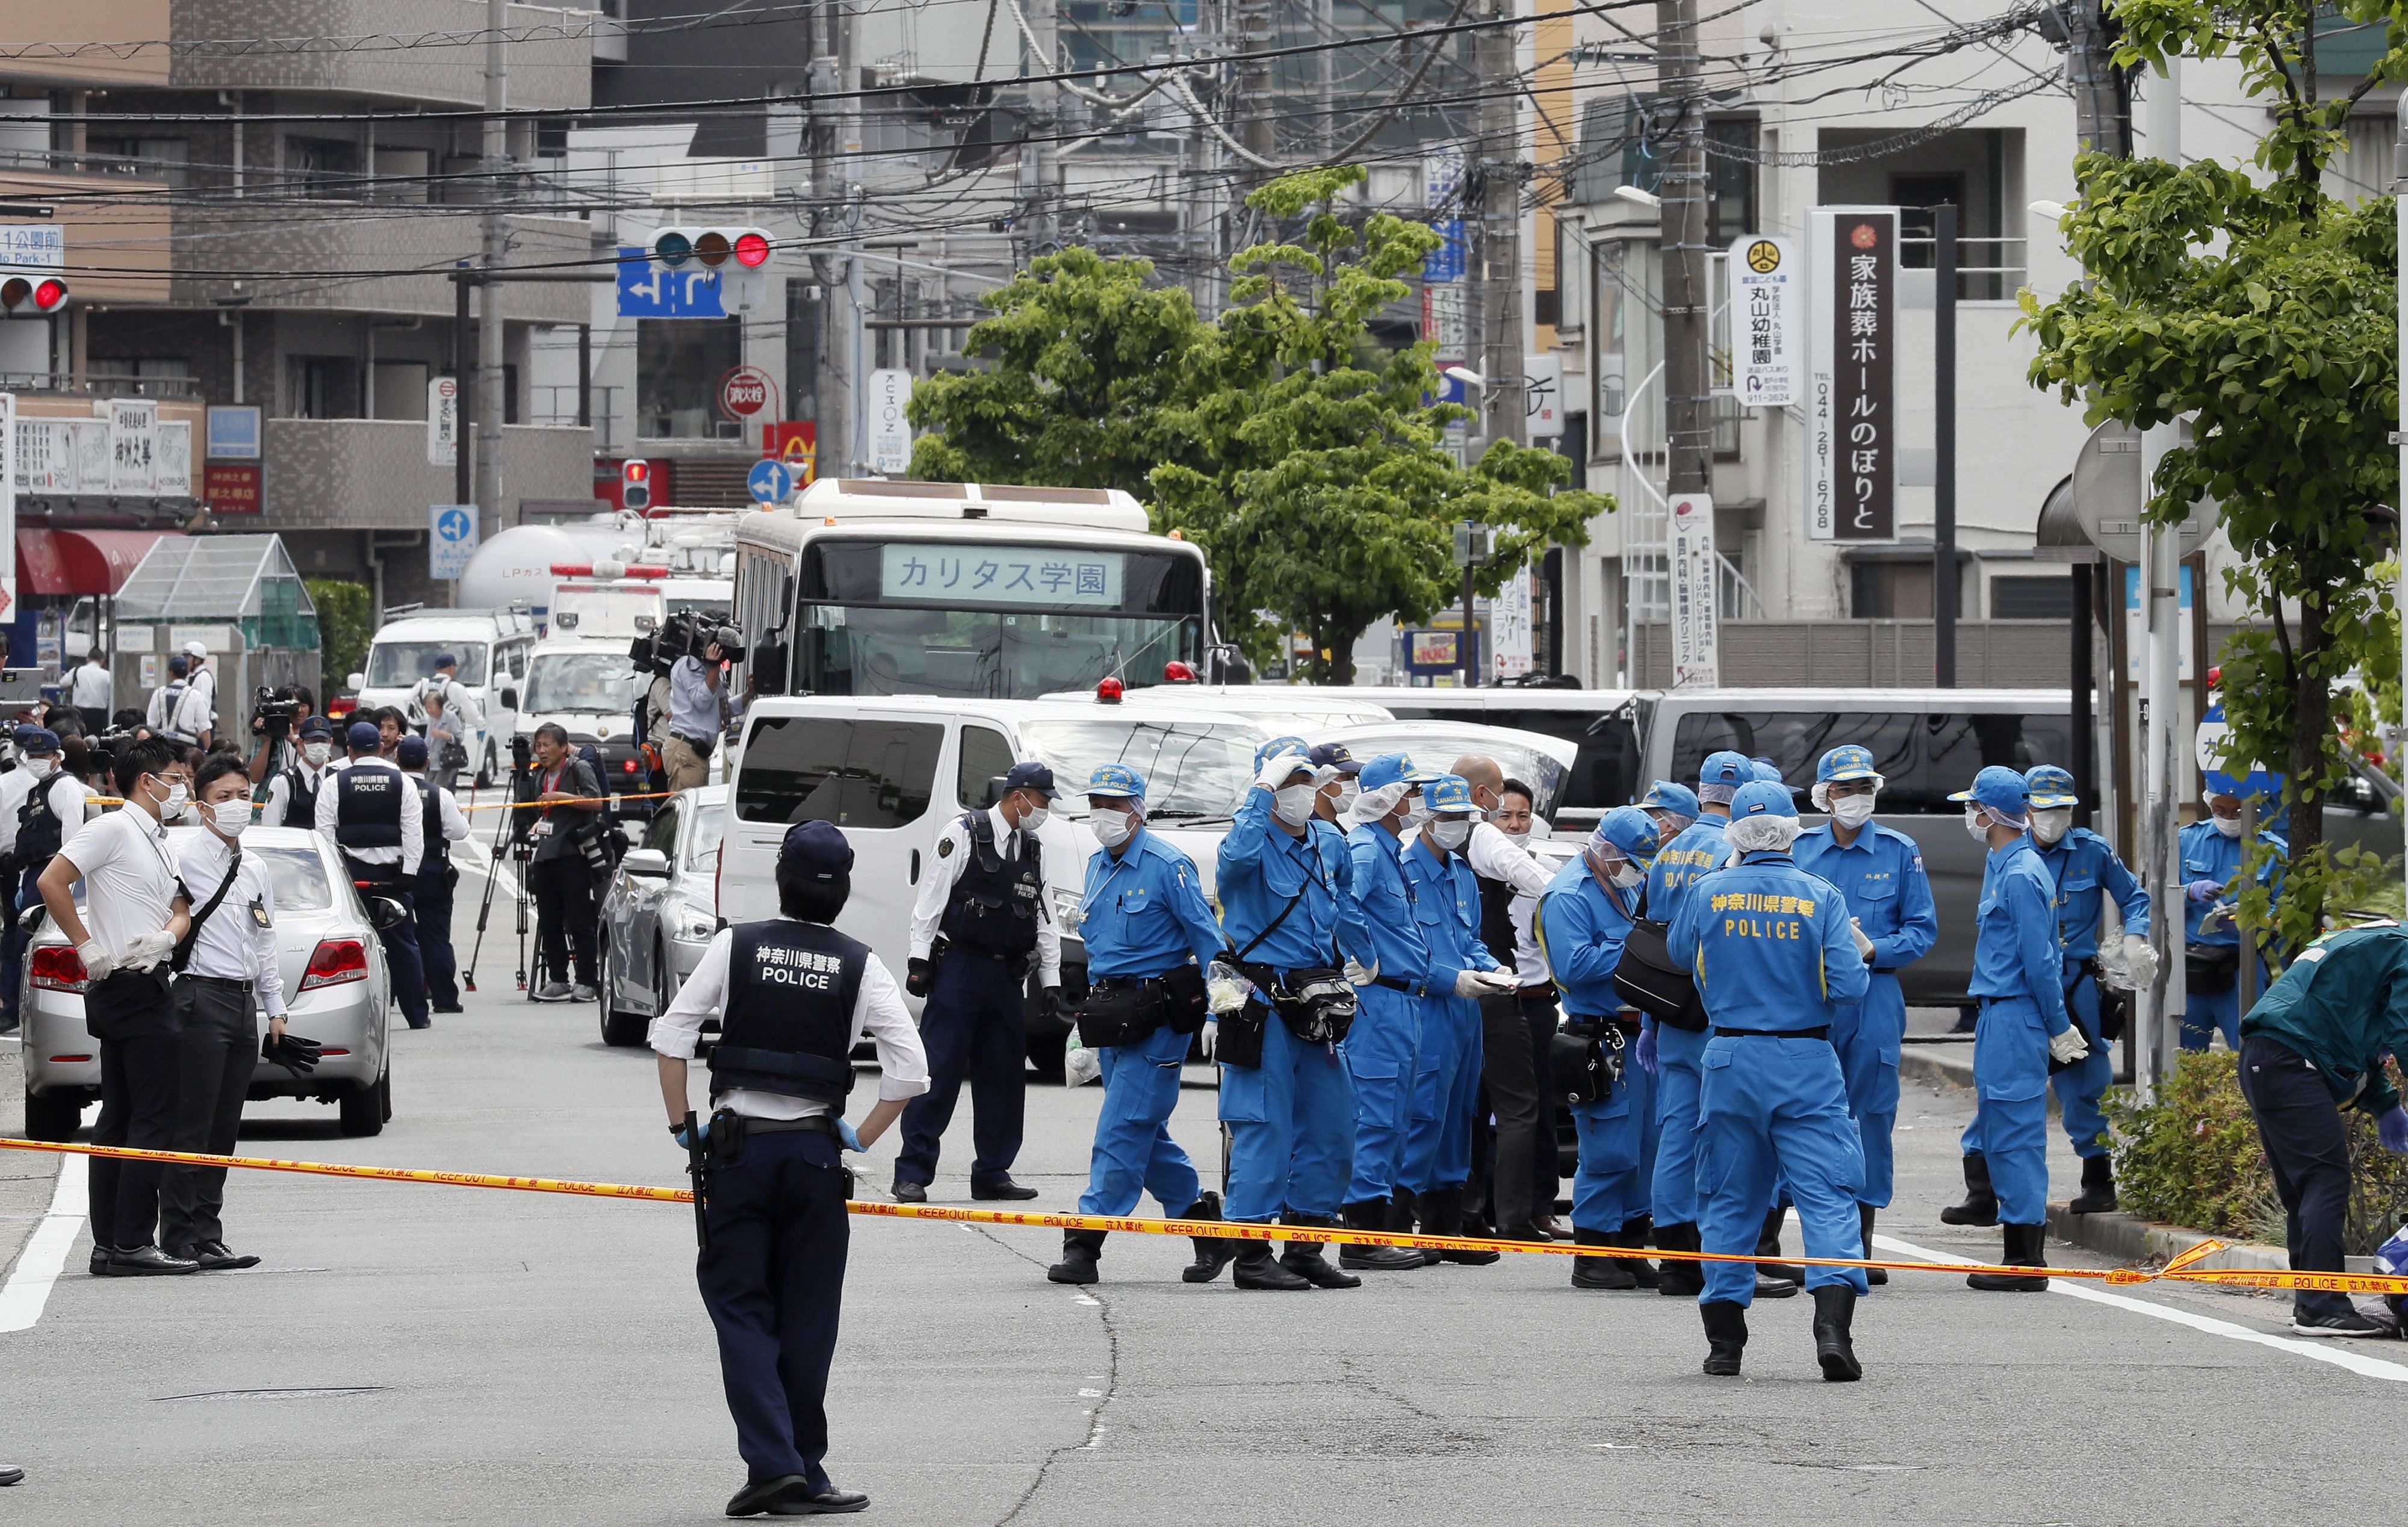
<point x="1080" y="1064"/>
<point x="1225" y="987"/>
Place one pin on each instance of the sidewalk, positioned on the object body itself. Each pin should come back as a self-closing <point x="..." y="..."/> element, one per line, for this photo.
<point x="25" y="1177"/>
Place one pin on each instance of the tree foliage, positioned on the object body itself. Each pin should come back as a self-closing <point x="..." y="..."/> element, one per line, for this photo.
<point x="1303" y="457"/>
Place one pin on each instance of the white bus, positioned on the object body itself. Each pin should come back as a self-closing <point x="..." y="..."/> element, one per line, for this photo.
<point x="965" y="590"/>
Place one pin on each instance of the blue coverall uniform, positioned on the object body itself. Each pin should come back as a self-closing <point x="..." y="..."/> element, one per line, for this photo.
<point x="2019" y="979"/>
<point x="1773" y="957"/>
<point x="2209" y="855"/>
<point x="2087" y="872"/>
<point x="1881" y="878"/>
<point x="1291" y="1118"/>
<point x="1142" y="913"/>
<point x="1446" y="1081"/>
<point x="1581" y="925"/>
<point x="1679" y="1052"/>
<point x="1383" y="1050"/>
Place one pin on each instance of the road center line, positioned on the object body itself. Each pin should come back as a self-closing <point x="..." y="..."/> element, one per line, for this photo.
<point x="45" y="1251"/>
<point x="2337" y="1351"/>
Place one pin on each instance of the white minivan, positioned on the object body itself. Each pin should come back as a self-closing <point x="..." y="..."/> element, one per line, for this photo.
<point x="492" y="646"/>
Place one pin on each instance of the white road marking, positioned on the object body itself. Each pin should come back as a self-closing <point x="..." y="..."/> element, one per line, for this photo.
<point x="2339" y="1351"/>
<point x="45" y="1251"/>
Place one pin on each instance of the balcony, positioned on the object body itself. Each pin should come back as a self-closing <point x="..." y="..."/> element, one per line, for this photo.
<point x="372" y="474"/>
<point x="547" y="72"/>
<point x="238" y="239"/>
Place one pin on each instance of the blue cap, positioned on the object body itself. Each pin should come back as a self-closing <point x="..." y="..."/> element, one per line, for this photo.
<point x="2049" y="785"/>
<point x="179" y="665"/>
<point x="815" y="850"/>
<point x="1664" y="795"/>
<point x="363" y="734"/>
<point x="1766" y="770"/>
<point x="318" y="726"/>
<point x="2000" y="790"/>
<point x="1035" y="776"/>
<point x="1394" y="768"/>
<point x="1277" y="746"/>
<point x="1333" y="755"/>
<point x="1726" y="769"/>
<point x="1629" y="829"/>
<point x="1850" y="762"/>
<point x="1118" y="780"/>
<point x="1763" y="798"/>
<point x="1451" y="794"/>
<point x="445" y="660"/>
<point x="36" y="740"/>
<point x="411" y="752"/>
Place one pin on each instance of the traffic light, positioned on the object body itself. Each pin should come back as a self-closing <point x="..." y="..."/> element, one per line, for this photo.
<point x="32" y="295"/>
<point x="636" y="484"/>
<point x="734" y="256"/>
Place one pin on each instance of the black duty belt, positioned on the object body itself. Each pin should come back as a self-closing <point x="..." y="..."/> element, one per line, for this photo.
<point x="701" y="745"/>
<point x="227" y="982"/>
<point x="818" y="1123"/>
<point x="1823" y="1033"/>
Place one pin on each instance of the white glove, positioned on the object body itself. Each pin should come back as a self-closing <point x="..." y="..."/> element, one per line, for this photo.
<point x="1359" y="973"/>
<point x="2070" y="1046"/>
<point x="1864" y="944"/>
<point x="1224" y="989"/>
<point x="2140" y="961"/>
<point x="145" y="950"/>
<point x="97" y="965"/>
<point x="1208" y="1039"/>
<point x="1482" y="983"/>
<point x="1275" y="770"/>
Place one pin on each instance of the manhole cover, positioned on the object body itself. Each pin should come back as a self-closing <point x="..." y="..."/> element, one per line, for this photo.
<point x="278" y="1393"/>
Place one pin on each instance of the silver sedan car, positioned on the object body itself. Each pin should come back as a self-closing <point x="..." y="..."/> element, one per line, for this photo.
<point x="660" y="912"/>
<point x="334" y="988"/>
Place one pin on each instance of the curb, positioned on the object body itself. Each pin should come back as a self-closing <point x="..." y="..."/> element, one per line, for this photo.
<point x="1922" y="1063"/>
<point x="2129" y="1238"/>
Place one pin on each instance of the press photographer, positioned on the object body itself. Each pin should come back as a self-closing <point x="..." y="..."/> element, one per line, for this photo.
<point x="691" y="653"/>
<point x="568" y="854"/>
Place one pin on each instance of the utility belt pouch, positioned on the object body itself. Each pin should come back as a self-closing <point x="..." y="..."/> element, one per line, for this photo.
<point x="1241" y="1041"/>
<point x="1584" y="1061"/>
<point x="2210" y="969"/>
<point x="726" y="1137"/>
<point x="1116" y="1012"/>
<point x="1650" y="979"/>
<point x="1185" y="1002"/>
<point x="2114" y="1011"/>
<point x="1317" y="1005"/>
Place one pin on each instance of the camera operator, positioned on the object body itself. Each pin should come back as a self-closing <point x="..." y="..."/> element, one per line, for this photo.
<point x="137" y="916"/>
<point x="562" y="874"/>
<point x="693" y="716"/>
<point x="276" y="715"/>
<point x="372" y="813"/>
<point x="293" y="791"/>
<point x="90" y="690"/>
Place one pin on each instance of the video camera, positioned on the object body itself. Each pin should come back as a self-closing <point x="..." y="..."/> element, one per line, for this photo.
<point x="272" y="710"/>
<point x="687" y="633"/>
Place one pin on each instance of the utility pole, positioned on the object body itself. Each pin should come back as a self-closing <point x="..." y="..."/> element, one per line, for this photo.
<point x="832" y="353"/>
<point x="1943" y="446"/>
<point x="2161" y="762"/>
<point x="491" y="404"/>
<point x="1499" y="163"/>
<point x="1688" y="425"/>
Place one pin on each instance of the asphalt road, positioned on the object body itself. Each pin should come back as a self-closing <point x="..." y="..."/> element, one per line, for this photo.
<point x="415" y="1354"/>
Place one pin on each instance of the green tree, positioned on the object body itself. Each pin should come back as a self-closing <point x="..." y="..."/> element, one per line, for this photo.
<point x="2264" y="310"/>
<point x="346" y="623"/>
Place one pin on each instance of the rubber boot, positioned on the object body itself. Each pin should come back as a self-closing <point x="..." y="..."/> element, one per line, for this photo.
<point x="1212" y="1252"/>
<point x="2024" y="1247"/>
<point x="1767" y="1244"/>
<point x="1258" y="1269"/>
<point x="1726" y="1337"/>
<point x="1980" y="1206"/>
<point x="2098" y="1195"/>
<point x="1304" y="1258"/>
<point x="1402" y="1206"/>
<point x="1371" y="1214"/>
<point x="1442" y="1215"/>
<point x="1633" y="1236"/>
<point x="1600" y="1272"/>
<point x="1874" y="1275"/>
<point x="1682" y="1279"/>
<point x="1835" y="1305"/>
<point x="1079" y="1250"/>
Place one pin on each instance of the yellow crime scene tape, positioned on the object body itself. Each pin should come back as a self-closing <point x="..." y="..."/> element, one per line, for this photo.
<point x="2180" y="1269"/>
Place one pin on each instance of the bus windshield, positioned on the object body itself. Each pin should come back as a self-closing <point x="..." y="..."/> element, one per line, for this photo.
<point x="1198" y="769"/>
<point x="991" y="619"/>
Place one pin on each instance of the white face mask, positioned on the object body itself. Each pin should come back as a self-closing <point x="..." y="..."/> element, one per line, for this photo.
<point x="1037" y="817"/>
<point x="1852" y="811"/>
<point x="1293" y="805"/>
<point x="315" y="753"/>
<point x="1417" y="811"/>
<point x="1450" y="834"/>
<point x="1347" y="790"/>
<point x="2052" y="823"/>
<point x="173" y="807"/>
<point x="2228" y="826"/>
<point x="1519" y="840"/>
<point x="42" y="768"/>
<point x="1627" y="875"/>
<point x="1977" y="827"/>
<point x="1113" y="828"/>
<point x="230" y="817"/>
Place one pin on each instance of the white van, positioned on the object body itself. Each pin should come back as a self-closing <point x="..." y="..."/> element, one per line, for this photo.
<point x="588" y="685"/>
<point x="492" y="646"/>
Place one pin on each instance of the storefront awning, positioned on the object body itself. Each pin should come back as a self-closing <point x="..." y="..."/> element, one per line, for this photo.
<point x="81" y="561"/>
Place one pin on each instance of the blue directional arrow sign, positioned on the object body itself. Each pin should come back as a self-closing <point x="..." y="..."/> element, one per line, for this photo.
<point x="451" y="539"/>
<point x="770" y="480"/>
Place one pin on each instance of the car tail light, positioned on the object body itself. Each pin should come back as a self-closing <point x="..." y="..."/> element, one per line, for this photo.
<point x="70" y="1060"/>
<point x="629" y="766"/>
<point x="57" y="968"/>
<point x="334" y="962"/>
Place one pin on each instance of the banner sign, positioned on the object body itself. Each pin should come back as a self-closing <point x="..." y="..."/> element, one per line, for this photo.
<point x="1697" y="636"/>
<point x="1851" y="415"/>
<point x="1770" y="279"/>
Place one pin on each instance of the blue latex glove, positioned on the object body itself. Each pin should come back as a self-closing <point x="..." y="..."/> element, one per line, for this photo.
<point x="2392" y="1128"/>
<point x="1647" y="1050"/>
<point x="2203" y="891"/>
<point x="678" y="1133"/>
<point x="845" y="1134"/>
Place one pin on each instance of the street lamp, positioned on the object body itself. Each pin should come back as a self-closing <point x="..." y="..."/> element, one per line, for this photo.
<point x="1464" y="374"/>
<point x="1643" y="198"/>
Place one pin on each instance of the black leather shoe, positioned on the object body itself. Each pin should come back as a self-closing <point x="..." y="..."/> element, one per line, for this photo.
<point x="909" y="1193"/>
<point x="1258" y="1269"/>
<point x="827" y="1503"/>
<point x="1371" y="1214"/>
<point x="1212" y="1252"/>
<point x="1006" y="1189"/>
<point x="752" y="1500"/>
<point x="214" y="1257"/>
<point x="148" y="1262"/>
<point x="99" y="1261"/>
<point x="10" y="1474"/>
<point x="1079" y="1250"/>
<point x="450" y="1007"/>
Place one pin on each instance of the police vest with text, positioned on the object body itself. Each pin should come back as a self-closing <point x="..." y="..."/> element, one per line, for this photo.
<point x="787" y="1026"/>
<point x="39" y="832"/>
<point x="997" y="902"/>
<point x="301" y="795"/>
<point x="368" y="813"/>
<point x="437" y="854"/>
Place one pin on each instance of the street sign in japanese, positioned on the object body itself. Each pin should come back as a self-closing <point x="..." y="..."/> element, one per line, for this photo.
<point x="1851" y="405"/>
<point x="1767" y="279"/>
<point x="769" y="481"/>
<point x="443" y="422"/>
<point x="890" y="432"/>
<point x="1696" y="633"/>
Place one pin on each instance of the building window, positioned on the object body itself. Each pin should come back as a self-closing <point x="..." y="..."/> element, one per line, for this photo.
<point x="1891" y="591"/>
<point x="2032" y="598"/>
<point x="678" y="364"/>
<point x="1732" y="211"/>
<point x="323" y="169"/>
<point x="321" y="387"/>
<point x="1979" y="170"/>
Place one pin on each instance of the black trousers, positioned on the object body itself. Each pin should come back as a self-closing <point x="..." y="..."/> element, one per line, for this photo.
<point x="219" y="1051"/>
<point x="1518" y="1156"/>
<point x="973" y="1027"/>
<point x="432" y="909"/>
<point x="141" y="1065"/>
<point x="564" y="916"/>
<point x="2308" y="1148"/>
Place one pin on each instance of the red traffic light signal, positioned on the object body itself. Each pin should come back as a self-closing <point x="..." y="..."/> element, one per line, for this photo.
<point x="36" y="296"/>
<point x="752" y="248"/>
<point x="636" y="484"/>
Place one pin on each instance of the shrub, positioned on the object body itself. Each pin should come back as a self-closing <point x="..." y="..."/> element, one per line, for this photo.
<point x="345" y="621"/>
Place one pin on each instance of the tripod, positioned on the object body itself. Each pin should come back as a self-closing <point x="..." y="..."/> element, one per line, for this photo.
<point x="521" y="852"/>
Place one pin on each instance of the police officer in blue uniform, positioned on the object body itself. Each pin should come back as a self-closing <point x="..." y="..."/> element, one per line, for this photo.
<point x="1142" y="914"/>
<point x="2212" y="856"/>
<point x="1583" y="920"/>
<point x="1290" y="919"/>
<point x="2020" y="981"/>
<point x="1383" y="1050"/>
<point x="986" y="895"/>
<point x="373" y="813"/>
<point x="1672" y="808"/>
<point x="794" y="998"/>
<point x="1776" y="963"/>
<point x="1880" y="876"/>
<point x="2087" y="872"/>
<point x="1446" y="1082"/>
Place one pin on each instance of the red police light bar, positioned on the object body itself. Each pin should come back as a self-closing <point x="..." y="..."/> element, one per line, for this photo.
<point x="1176" y="672"/>
<point x="1107" y="692"/>
<point x="751" y="251"/>
<point x="585" y="569"/>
